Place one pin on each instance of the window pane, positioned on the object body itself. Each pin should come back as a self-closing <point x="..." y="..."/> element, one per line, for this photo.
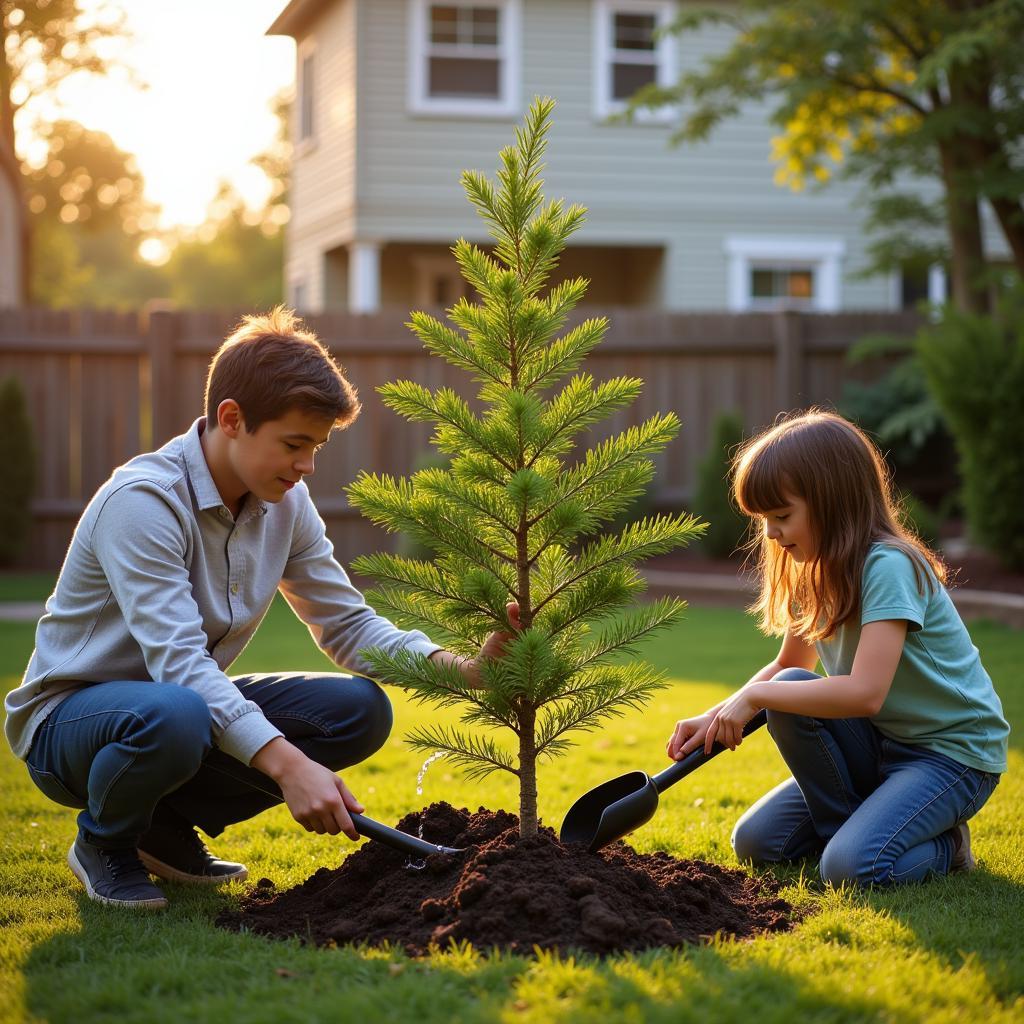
<point x="443" y="24"/>
<point x="485" y="26"/>
<point x="634" y="31"/>
<point x="464" y="77"/>
<point x="800" y="284"/>
<point x="627" y="78"/>
<point x="762" y="284"/>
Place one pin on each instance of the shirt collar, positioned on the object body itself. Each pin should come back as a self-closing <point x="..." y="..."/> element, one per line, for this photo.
<point x="201" y="479"/>
<point x="199" y="475"/>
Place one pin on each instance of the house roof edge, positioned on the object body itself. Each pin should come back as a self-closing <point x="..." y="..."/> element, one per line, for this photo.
<point x="296" y="16"/>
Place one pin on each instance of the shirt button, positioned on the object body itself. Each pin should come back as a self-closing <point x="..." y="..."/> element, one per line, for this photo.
<point x="234" y="588"/>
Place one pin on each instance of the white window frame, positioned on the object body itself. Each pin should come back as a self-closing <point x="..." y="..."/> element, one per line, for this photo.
<point x="509" y="54"/>
<point x="822" y="256"/>
<point x="605" y="55"/>
<point x="307" y="49"/>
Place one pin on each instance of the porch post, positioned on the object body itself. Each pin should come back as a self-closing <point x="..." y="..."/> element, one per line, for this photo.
<point x="364" y="277"/>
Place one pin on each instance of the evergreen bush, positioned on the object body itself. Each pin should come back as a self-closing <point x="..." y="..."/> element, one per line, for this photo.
<point x="18" y="458"/>
<point x="975" y="369"/>
<point x="505" y="520"/>
<point x="713" y="499"/>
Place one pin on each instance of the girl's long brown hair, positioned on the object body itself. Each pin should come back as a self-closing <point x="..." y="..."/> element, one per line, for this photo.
<point x="830" y="464"/>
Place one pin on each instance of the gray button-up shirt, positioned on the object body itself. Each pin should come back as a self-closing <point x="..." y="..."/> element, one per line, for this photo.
<point x="161" y="583"/>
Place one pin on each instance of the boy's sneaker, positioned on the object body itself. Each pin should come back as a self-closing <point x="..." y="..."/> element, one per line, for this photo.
<point x="963" y="859"/>
<point x="176" y="852"/>
<point x="115" y="877"/>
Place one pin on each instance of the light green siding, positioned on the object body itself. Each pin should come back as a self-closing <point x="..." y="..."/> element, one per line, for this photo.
<point x="390" y="175"/>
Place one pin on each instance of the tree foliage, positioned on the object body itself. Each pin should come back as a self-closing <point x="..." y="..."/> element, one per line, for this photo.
<point x="515" y="516"/>
<point x="17" y="452"/>
<point x="888" y="91"/>
<point x="42" y="44"/>
<point x="975" y="369"/>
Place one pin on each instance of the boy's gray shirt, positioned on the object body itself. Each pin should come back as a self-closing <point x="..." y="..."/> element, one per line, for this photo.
<point x="160" y="583"/>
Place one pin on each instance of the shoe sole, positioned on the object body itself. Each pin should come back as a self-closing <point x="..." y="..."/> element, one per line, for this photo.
<point x="173" y="874"/>
<point x="82" y="875"/>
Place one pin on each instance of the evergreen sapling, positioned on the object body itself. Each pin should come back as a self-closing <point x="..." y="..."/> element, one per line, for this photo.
<point x="509" y="520"/>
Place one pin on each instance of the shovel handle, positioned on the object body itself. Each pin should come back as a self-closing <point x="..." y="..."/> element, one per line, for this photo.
<point x="695" y="758"/>
<point x="393" y="837"/>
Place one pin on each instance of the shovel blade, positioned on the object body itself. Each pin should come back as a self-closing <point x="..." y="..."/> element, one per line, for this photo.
<point x="610" y="811"/>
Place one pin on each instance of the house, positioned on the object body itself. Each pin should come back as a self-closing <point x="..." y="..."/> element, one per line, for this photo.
<point x="11" y="232"/>
<point x="396" y="97"/>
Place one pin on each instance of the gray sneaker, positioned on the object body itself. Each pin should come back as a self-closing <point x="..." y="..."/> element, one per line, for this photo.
<point x="115" y="877"/>
<point x="963" y="859"/>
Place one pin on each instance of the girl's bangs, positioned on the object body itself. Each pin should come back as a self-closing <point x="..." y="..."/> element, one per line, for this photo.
<point x="761" y="484"/>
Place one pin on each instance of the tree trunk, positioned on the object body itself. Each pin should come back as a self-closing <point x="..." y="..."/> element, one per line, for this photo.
<point x="967" y="273"/>
<point x="527" y="773"/>
<point x="10" y="167"/>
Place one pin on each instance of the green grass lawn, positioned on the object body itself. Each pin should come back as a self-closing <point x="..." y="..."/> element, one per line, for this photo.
<point x="947" y="950"/>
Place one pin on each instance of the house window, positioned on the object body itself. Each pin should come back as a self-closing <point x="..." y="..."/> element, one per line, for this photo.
<point x="307" y="93"/>
<point x="630" y="53"/>
<point x="775" y="287"/>
<point x="784" y="273"/>
<point x="299" y="297"/>
<point x="464" y="57"/>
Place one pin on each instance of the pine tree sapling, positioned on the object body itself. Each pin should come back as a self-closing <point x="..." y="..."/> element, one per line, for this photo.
<point x="17" y="456"/>
<point x="508" y="521"/>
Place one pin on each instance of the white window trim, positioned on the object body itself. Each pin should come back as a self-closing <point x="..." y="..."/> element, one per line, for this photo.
<point x="665" y="52"/>
<point x="510" y="51"/>
<point x="822" y="255"/>
<point x="307" y="48"/>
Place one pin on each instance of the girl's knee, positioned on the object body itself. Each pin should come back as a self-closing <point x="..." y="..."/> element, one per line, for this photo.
<point x="377" y="714"/>
<point x="845" y="863"/>
<point x="750" y="844"/>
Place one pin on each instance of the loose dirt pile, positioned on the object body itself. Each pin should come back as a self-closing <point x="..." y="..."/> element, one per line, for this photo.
<point x="512" y="893"/>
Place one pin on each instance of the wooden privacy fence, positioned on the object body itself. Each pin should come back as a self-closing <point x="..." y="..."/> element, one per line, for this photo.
<point x="102" y="387"/>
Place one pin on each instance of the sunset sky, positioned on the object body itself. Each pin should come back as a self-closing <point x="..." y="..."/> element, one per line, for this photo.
<point x="212" y="73"/>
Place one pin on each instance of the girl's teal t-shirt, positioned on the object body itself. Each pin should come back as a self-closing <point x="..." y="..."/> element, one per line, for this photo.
<point x="941" y="697"/>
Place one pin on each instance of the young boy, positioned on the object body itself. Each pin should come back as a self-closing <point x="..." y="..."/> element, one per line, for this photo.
<point x="125" y="710"/>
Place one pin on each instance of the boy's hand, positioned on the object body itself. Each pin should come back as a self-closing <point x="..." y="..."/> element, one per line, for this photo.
<point x="316" y="797"/>
<point x="688" y="735"/>
<point x="493" y="647"/>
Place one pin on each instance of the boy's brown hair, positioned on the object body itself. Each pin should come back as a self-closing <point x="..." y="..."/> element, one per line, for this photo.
<point x="270" y="365"/>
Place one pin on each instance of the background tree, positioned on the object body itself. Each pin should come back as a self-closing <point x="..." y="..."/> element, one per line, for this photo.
<point x="507" y="519"/>
<point x="88" y="213"/>
<point x="18" y="455"/>
<point x="42" y="44"/>
<point x="236" y="257"/>
<point x="888" y="91"/>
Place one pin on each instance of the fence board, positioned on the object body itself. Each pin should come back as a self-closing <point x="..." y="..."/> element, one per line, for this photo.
<point x="102" y="387"/>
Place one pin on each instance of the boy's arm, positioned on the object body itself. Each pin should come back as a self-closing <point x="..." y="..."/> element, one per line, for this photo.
<point x="140" y="544"/>
<point x="319" y="591"/>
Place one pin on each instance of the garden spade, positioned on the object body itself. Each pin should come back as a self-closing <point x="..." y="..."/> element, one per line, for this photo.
<point x="402" y="841"/>
<point x="620" y="806"/>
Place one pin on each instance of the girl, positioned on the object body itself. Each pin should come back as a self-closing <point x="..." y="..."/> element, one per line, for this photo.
<point x="904" y="739"/>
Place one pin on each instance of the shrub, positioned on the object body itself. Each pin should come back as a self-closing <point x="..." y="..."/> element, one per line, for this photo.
<point x="975" y="369"/>
<point x="17" y="456"/>
<point x="713" y="499"/>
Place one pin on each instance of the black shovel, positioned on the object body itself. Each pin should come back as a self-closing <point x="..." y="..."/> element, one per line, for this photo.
<point x="620" y="806"/>
<point x="401" y="841"/>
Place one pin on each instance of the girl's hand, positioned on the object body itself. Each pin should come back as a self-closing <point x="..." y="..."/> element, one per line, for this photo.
<point x="688" y="735"/>
<point x="732" y="716"/>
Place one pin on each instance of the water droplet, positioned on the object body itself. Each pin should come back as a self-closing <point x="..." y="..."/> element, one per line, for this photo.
<point x="414" y="865"/>
<point x="423" y="771"/>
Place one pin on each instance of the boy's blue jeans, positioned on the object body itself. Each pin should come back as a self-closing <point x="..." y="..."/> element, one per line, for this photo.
<point x="124" y="750"/>
<point x="876" y="811"/>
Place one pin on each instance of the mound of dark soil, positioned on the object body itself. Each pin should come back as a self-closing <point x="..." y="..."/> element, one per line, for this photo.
<point x="513" y="893"/>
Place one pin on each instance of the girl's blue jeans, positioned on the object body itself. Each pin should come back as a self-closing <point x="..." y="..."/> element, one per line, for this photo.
<point x="875" y="811"/>
<point x="126" y="751"/>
